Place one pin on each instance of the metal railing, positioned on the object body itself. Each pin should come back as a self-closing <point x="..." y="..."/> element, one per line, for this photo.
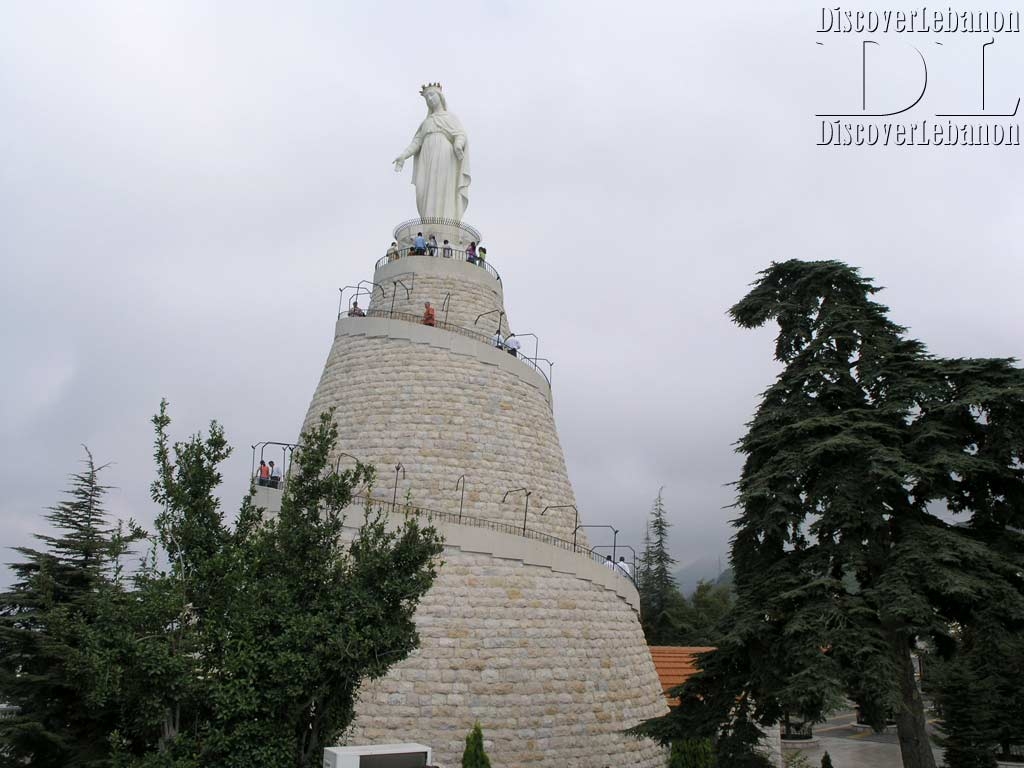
<point x="483" y="338"/>
<point x="284" y="467"/>
<point x="425" y="223"/>
<point x="439" y="252"/>
<point x="479" y="522"/>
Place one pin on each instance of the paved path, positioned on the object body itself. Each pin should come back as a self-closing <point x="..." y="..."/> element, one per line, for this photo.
<point x="851" y="747"/>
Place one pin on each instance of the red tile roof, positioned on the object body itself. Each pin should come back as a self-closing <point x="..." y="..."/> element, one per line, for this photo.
<point x="675" y="665"/>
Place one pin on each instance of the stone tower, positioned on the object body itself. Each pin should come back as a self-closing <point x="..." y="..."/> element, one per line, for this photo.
<point x="525" y="629"/>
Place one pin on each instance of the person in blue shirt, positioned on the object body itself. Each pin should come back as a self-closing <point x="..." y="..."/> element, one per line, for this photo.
<point x="419" y="245"/>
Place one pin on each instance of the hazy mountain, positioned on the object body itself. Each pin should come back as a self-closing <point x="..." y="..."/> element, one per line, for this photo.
<point x="707" y="569"/>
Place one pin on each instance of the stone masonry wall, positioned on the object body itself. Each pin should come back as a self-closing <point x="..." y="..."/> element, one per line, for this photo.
<point x="442" y="414"/>
<point x="553" y="666"/>
<point x="473" y="291"/>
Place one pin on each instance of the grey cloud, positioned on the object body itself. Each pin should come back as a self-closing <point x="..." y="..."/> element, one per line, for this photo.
<point x="184" y="186"/>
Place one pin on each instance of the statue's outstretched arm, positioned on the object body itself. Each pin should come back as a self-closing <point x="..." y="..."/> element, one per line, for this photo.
<point x="409" y="151"/>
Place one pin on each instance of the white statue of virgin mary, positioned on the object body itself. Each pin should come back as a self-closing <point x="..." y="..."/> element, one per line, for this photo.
<point x="440" y="152"/>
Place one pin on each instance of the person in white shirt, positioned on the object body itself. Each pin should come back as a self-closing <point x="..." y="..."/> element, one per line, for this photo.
<point x="275" y="476"/>
<point x="623" y="566"/>
<point x="609" y="563"/>
<point x="512" y="345"/>
<point x="496" y="340"/>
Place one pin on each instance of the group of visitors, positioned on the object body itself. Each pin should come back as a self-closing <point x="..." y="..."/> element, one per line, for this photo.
<point x="268" y="475"/>
<point x="429" y="318"/>
<point x="621" y="567"/>
<point x="476" y="255"/>
<point x="427" y="246"/>
<point x="510" y="343"/>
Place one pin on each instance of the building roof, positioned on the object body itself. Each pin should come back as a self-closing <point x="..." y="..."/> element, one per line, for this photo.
<point x="675" y="665"/>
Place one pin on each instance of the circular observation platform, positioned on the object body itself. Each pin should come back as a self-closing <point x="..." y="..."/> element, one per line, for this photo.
<point x="462" y="239"/>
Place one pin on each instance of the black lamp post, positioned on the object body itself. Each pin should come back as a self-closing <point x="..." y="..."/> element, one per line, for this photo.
<point x="615" y="535"/>
<point x="501" y="314"/>
<point x="462" y="479"/>
<point x="394" y="292"/>
<point x="526" y="508"/>
<point x="394" y="497"/>
<point x="337" y="464"/>
<point x="575" y="522"/>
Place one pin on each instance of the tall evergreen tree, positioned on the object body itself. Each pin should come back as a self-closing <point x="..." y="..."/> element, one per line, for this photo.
<point x="45" y="620"/>
<point x="709" y="605"/>
<point x="850" y="459"/>
<point x="662" y="607"/>
<point x="980" y="692"/>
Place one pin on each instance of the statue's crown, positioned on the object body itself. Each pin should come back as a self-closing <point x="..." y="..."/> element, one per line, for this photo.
<point x="430" y="86"/>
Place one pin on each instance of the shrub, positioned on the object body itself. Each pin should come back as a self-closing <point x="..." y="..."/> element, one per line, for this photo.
<point x="474" y="755"/>
<point x="692" y="753"/>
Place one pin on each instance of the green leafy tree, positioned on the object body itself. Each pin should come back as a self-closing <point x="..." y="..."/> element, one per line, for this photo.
<point x="269" y="626"/>
<point x="236" y="644"/>
<point x="662" y="608"/>
<point x="853" y="455"/>
<point x="46" y="658"/>
<point x="474" y="756"/>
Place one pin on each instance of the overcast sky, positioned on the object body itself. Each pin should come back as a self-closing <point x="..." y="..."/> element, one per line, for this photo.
<point x="185" y="185"/>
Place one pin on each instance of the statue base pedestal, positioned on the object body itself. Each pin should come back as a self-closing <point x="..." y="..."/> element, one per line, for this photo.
<point x="458" y="234"/>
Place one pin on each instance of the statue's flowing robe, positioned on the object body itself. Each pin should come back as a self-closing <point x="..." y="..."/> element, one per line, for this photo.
<point x="441" y="179"/>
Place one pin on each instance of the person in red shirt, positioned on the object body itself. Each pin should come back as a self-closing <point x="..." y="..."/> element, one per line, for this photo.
<point x="428" y="314"/>
<point x="263" y="473"/>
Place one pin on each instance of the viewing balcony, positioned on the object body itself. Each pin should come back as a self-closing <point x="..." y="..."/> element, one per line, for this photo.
<point x="440" y="252"/>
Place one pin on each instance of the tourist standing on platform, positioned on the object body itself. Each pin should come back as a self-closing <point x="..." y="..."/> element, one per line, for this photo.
<point x="496" y="340"/>
<point x="263" y="473"/>
<point x="471" y="253"/>
<point x="481" y="255"/>
<point x="392" y="253"/>
<point x="419" y="245"/>
<point x="432" y="245"/>
<point x="609" y="563"/>
<point x="428" y="314"/>
<point x="356" y="311"/>
<point x="623" y="566"/>
<point x="512" y="345"/>
<point x="446" y="250"/>
<point x="275" y="476"/>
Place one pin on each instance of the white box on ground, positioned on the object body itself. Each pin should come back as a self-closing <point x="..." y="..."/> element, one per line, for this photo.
<point x="378" y="756"/>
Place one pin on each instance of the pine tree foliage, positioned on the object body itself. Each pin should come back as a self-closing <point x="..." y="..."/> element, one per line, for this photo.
<point x="980" y="692"/>
<point x="662" y="607"/>
<point x="843" y="557"/>
<point x="474" y="755"/>
<point x="45" y="623"/>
